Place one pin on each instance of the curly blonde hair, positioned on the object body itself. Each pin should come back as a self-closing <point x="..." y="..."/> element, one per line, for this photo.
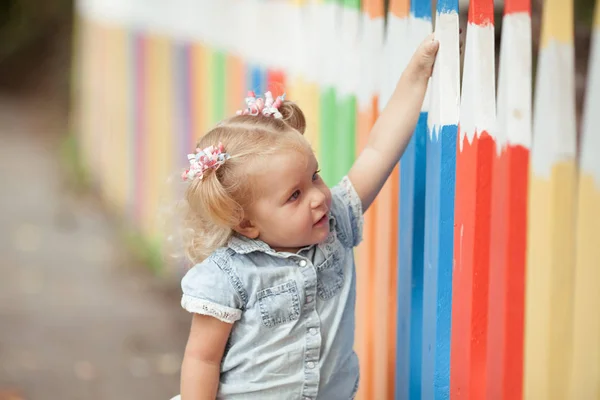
<point x="215" y="204"/>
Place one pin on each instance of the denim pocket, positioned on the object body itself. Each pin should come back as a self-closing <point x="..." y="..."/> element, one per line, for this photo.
<point x="279" y="304"/>
<point x="330" y="277"/>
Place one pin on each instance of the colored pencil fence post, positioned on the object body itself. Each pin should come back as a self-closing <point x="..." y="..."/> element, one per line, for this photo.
<point x="278" y="55"/>
<point x="297" y="88"/>
<point x="182" y="103"/>
<point x="439" y="205"/>
<point x="139" y="127"/>
<point x="256" y="74"/>
<point x="382" y="334"/>
<point x="118" y="113"/>
<point x="474" y="156"/>
<point x="585" y="374"/>
<point x="411" y="221"/>
<point x="551" y="214"/>
<point x="370" y="44"/>
<point x="236" y="85"/>
<point x="312" y="40"/>
<point x="329" y="28"/>
<point x="509" y="206"/>
<point x="346" y="82"/>
<point x="158" y="114"/>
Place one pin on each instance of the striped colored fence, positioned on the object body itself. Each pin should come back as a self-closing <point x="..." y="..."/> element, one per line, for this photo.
<point x="479" y="273"/>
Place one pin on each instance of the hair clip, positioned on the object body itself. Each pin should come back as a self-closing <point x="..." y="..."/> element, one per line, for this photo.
<point x="272" y="107"/>
<point x="211" y="157"/>
<point x="267" y="106"/>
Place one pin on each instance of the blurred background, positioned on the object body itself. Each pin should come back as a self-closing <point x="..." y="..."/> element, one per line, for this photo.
<point x="87" y="308"/>
<point x="82" y="316"/>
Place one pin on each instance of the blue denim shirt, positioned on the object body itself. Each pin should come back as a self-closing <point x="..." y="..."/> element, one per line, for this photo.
<point x="293" y="314"/>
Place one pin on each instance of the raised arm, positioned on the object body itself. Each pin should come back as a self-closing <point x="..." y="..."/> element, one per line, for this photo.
<point x="201" y="367"/>
<point x="394" y="127"/>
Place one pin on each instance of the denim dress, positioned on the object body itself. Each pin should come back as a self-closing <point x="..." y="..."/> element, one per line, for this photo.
<point x="293" y="313"/>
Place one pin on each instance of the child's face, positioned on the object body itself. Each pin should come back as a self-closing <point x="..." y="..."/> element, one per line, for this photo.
<point x="292" y="208"/>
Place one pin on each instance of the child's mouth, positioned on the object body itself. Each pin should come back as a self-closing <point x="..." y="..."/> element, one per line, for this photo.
<point x="321" y="221"/>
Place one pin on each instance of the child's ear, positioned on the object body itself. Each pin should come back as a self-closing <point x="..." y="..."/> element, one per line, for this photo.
<point x="248" y="229"/>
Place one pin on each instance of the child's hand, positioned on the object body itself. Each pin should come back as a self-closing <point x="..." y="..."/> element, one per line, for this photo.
<point x="424" y="57"/>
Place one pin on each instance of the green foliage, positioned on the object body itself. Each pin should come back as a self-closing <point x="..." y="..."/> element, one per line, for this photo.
<point x="145" y="250"/>
<point x="72" y="164"/>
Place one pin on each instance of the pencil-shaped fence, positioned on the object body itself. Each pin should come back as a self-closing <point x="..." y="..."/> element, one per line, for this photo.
<point x="479" y="273"/>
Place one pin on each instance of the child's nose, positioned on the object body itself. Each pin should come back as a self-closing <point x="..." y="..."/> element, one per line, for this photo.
<point x="318" y="198"/>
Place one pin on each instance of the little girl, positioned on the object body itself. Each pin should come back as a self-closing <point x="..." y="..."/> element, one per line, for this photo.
<point x="273" y="290"/>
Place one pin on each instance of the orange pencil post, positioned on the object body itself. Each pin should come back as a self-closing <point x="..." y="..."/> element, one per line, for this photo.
<point x="235" y="83"/>
<point x="373" y="292"/>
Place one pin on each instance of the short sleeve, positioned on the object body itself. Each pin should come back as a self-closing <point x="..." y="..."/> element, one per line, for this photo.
<point x="346" y="208"/>
<point x="208" y="290"/>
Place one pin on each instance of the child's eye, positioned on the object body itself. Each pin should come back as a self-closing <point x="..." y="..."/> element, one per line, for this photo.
<point x="316" y="175"/>
<point x="294" y="195"/>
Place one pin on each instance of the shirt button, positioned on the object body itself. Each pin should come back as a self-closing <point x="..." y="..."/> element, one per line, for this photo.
<point x="303" y="263"/>
<point x="309" y="299"/>
<point x="312" y="331"/>
<point x="310" y="365"/>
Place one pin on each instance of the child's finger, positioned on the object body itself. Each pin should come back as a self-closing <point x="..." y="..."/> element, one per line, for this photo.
<point x="430" y="38"/>
<point x="430" y="43"/>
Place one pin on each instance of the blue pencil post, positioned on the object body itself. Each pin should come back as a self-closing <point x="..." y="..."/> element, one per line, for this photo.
<point x="257" y="79"/>
<point x="411" y="234"/>
<point x="439" y="206"/>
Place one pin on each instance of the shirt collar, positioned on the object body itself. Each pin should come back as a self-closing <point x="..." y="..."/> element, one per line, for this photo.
<point x="243" y="245"/>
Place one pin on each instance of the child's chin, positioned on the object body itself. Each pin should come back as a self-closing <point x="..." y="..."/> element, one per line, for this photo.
<point x="323" y="235"/>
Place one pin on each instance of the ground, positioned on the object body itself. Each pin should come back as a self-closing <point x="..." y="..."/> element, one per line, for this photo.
<point x="79" y="319"/>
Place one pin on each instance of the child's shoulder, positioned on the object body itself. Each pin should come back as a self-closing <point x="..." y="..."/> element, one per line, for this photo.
<point x="214" y="279"/>
<point x="217" y="263"/>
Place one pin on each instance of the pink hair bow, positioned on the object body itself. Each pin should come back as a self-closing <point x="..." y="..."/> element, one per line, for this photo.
<point x="272" y="107"/>
<point x="211" y="157"/>
<point x="267" y="106"/>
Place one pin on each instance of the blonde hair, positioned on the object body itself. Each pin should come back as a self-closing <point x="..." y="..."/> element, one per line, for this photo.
<point x="217" y="203"/>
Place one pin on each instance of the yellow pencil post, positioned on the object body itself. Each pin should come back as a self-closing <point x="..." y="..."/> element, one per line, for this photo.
<point x="551" y="215"/>
<point x="585" y="373"/>
<point x="159" y="140"/>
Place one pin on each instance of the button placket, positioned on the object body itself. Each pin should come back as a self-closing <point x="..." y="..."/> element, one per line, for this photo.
<point x="312" y="341"/>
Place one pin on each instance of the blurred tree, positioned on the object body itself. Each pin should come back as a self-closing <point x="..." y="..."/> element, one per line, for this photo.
<point x="23" y="22"/>
<point x="32" y="34"/>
